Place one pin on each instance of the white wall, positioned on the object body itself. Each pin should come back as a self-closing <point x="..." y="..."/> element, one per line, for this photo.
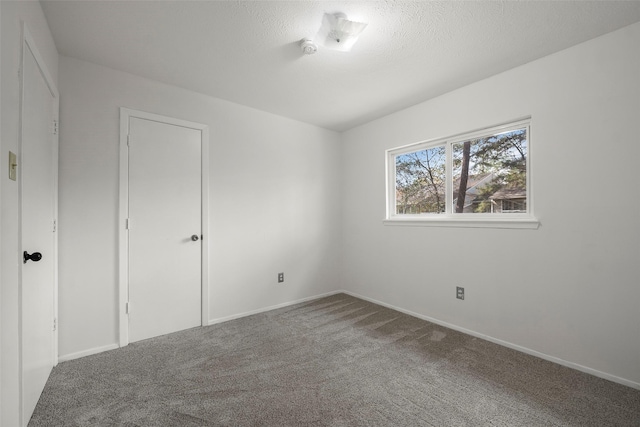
<point x="274" y="201"/>
<point x="568" y="290"/>
<point x="13" y="13"/>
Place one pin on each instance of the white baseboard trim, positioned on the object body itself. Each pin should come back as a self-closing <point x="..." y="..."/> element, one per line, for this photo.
<point x="88" y="352"/>
<point x="507" y="344"/>
<point x="96" y="350"/>
<point x="273" y="307"/>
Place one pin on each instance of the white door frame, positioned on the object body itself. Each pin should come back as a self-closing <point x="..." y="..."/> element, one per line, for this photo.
<point x="123" y="235"/>
<point x="28" y="44"/>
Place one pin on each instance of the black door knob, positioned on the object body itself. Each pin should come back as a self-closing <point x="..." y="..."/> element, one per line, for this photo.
<point x="195" y="237"/>
<point x="35" y="257"/>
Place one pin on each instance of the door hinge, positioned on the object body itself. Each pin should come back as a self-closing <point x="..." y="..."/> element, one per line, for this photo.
<point x="55" y="225"/>
<point x="128" y="224"/>
<point x="128" y="140"/>
<point x="55" y="127"/>
<point x="55" y="323"/>
<point x="128" y="307"/>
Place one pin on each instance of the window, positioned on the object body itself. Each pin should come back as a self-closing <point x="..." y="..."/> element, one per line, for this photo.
<point x="518" y="206"/>
<point x="479" y="178"/>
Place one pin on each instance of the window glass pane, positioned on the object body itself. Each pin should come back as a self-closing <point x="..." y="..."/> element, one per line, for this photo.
<point x="490" y="174"/>
<point x="420" y="181"/>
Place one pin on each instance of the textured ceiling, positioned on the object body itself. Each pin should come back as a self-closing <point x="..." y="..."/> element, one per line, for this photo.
<point x="247" y="51"/>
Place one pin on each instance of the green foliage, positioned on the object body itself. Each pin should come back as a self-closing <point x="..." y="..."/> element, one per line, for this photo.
<point x="506" y="156"/>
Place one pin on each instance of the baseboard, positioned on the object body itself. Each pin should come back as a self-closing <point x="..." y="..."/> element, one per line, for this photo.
<point x="273" y="307"/>
<point x="88" y="352"/>
<point x="503" y="343"/>
<point x="96" y="350"/>
<point x="507" y="344"/>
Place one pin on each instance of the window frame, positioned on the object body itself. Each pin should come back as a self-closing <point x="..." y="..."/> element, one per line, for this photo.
<point x="450" y="218"/>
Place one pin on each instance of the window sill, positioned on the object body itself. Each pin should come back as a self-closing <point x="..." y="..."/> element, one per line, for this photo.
<point x="486" y="222"/>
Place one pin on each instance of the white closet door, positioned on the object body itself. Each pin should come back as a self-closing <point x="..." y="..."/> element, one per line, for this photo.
<point x="165" y="228"/>
<point x="37" y="195"/>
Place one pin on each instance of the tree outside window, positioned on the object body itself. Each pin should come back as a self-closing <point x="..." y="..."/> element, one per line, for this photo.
<point x="485" y="173"/>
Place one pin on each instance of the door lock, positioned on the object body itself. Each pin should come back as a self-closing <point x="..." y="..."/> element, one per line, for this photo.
<point x="35" y="257"/>
<point x="195" y="238"/>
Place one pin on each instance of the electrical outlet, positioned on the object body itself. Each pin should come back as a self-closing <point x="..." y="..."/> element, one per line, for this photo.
<point x="280" y="277"/>
<point x="459" y="292"/>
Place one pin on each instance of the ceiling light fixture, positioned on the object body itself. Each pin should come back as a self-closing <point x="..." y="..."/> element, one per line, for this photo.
<point x="338" y="33"/>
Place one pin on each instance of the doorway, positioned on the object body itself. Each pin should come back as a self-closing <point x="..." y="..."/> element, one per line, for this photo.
<point x="38" y="172"/>
<point x="163" y="213"/>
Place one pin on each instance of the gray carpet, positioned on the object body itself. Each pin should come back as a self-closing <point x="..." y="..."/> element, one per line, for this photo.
<point x="335" y="361"/>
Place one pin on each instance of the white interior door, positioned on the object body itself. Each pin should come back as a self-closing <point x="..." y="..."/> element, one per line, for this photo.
<point x="165" y="228"/>
<point x="37" y="194"/>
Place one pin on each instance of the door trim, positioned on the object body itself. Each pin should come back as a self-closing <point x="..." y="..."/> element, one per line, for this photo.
<point x="28" y="44"/>
<point x="123" y="236"/>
